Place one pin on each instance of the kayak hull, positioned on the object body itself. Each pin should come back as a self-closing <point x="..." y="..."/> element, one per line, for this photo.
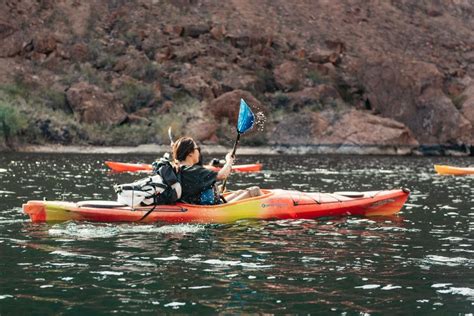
<point x="128" y="167"/>
<point x="136" y="167"/>
<point x="274" y="204"/>
<point x="450" y="170"/>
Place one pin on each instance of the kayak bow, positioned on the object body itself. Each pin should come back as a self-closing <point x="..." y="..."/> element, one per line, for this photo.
<point x="450" y="170"/>
<point x="135" y="167"/>
<point x="274" y="204"/>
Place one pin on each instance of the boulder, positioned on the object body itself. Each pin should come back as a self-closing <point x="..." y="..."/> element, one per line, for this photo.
<point x="327" y="70"/>
<point x="440" y="119"/>
<point x="362" y="128"/>
<point x="243" y="40"/>
<point x="241" y="82"/>
<point x="173" y="30"/>
<point x="197" y="87"/>
<point x="188" y="53"/>
<point x="227" y="105"/>
<point x="298" y="129"/>
<point x="321" y="56"/>
<point x="218" y="32"/>
<point x="92" y="105"/>
<point x="12" y="45"/>
<point x="165" y="107"/>
<point x="467" y="109"/>
<point x="288" y="76"/>
<point x="203" y="130"/>
<point x="136" y="65"/>
<point x="138" y="119"/>
<point x="79" y="52"/>
<point x="321" y="94"/>
<point x="63" y="52"/>
<point x="353" y="128"/>
<point x="38" y="57"/>
<point x="196" y="30"/>
<point x="44" y="44"/>
<point x="164" y="54"/>
<point x="411" y="92"/>
<point x="6" y="29"/>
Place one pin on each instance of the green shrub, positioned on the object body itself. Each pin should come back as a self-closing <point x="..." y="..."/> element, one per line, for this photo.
<point x="316" y="77"/>
<point x="281" y="100"/>
<point x="84" y="72"/>
<point x="225" y="133"/>
<point x="16" y="89"/>
<point x="266" y="81"/>
<point x="105" y="61"/>
<point x="350" y="93"/>
<point x="316" y="106"/>
<point x="135" y="96"/>
<point x="148" y="72"/>
<point x="11" y="122"/>
<point x="185" y="109"/>
<point x="132" y="38"/>
<point x="258" y="138"/>
<point x="54" y="99"/>
<point x="458" y="100"/>
<point x="122" y="135"/>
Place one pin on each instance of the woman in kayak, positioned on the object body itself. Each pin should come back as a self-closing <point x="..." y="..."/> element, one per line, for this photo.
<point x="198" y="183"/>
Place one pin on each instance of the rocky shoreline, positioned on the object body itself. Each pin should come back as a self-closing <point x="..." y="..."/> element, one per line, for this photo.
<point x="380" y="78"/>
<point x="260" y="150"/>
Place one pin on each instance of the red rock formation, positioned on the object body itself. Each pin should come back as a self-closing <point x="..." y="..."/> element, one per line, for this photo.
<point x="467" y="109"/>
<point x="348" y="128"/>
<point x="412" y="93"/>
<point x="407" y="61"/>
<point x="288" y="76"/>
<point x="91" y="105"/>
<point x="220" y="107"/>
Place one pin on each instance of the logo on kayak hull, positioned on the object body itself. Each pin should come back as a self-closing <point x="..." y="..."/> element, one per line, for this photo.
<point x="279" y="205"/>
<point x="381" y="203"/>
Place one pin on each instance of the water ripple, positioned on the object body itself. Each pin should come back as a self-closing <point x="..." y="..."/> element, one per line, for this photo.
<point x="420" y="260"/>
<point x="90" y="231"/>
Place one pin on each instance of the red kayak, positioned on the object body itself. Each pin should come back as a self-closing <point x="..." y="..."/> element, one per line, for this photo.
<point x="135" y="167"/>
<point x="273" y="204"/>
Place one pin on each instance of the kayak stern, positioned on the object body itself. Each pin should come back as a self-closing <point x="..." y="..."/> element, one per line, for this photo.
<point x="36" y="210"/>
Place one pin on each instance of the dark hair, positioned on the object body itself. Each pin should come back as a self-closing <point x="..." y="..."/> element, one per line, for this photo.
<point x="182" y="148"/>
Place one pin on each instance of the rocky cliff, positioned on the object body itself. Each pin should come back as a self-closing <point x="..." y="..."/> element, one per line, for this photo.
<point x="360" y="73"/>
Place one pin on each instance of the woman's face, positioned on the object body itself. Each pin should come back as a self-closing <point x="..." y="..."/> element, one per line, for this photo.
<point x="195" y="154"/>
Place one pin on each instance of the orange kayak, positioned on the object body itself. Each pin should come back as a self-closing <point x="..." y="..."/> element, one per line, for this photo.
<point x="450" y="170"/>
<point x="135" y="167"/>
<point x="273" y="204"/>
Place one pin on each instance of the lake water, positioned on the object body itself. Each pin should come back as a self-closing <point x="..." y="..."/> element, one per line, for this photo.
<point x="420" y="261"/>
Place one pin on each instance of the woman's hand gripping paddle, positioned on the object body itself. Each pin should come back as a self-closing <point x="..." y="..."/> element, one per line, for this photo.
<point x="244" y="123"/>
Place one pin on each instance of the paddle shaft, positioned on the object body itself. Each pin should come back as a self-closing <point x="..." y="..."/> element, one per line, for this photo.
<point x="233" y="155"/>
<point x="170" y="136"/>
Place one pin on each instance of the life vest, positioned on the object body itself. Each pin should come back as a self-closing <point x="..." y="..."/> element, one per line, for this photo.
<point x="163" y="187"/>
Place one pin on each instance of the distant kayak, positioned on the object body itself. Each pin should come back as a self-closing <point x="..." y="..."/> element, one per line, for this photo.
<point x="450" y="170"/>
<point x="135" y="167"/>
<point x="273" y="204"/>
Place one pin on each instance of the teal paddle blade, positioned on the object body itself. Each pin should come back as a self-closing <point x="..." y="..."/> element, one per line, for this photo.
<point x="246" y="118"/>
